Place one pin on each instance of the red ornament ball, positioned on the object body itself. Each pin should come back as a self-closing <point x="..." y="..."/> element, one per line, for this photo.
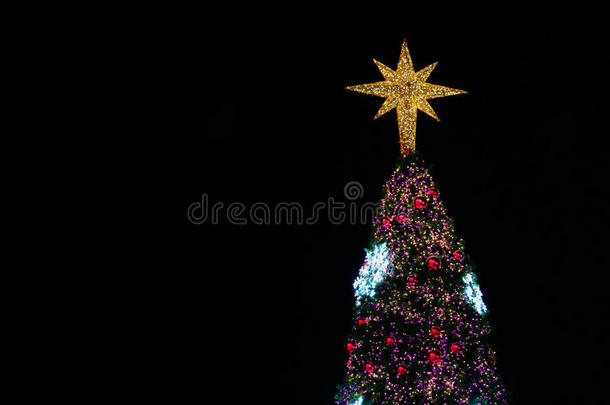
<point x="435" y="331"/>
<point x="458" y="255"/>
<point x="420" y="203"/>
<point x="369" y="367"/>
<point x="433" y="192"/>
<point x="433" y="263"/>
<point x="385" y="222"/>
<point x="350" y="347"/>
<point x="402" y="369"/>
<point x="434" y="356"/>
<point x="390" y="340"/>
<point x="456" y="348"/>
<point x="401" y="218"/>
<point x="412" y="280"/>
<point x="362" y="321"/>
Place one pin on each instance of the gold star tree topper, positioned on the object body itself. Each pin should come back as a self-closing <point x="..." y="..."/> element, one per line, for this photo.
<point x="408" y="91"/>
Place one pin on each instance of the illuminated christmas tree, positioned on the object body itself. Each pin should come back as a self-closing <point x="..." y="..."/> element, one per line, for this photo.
<point x="420" y="328"/>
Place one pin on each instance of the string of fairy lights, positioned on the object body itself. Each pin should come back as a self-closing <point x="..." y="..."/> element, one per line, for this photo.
<point x="420" y="326"/>
<point x="372" y="273"/>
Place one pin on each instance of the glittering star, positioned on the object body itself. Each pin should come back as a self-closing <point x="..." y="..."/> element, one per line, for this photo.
<point x="407" y="91"/>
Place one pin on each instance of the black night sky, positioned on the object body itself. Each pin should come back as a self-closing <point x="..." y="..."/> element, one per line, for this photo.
<point x="256" y="111"/>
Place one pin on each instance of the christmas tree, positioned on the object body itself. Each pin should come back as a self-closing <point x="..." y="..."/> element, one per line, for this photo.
<point x="420" y="327"/>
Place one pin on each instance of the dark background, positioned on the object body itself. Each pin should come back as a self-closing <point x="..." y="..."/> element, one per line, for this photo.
<point x="255" y="111"/>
